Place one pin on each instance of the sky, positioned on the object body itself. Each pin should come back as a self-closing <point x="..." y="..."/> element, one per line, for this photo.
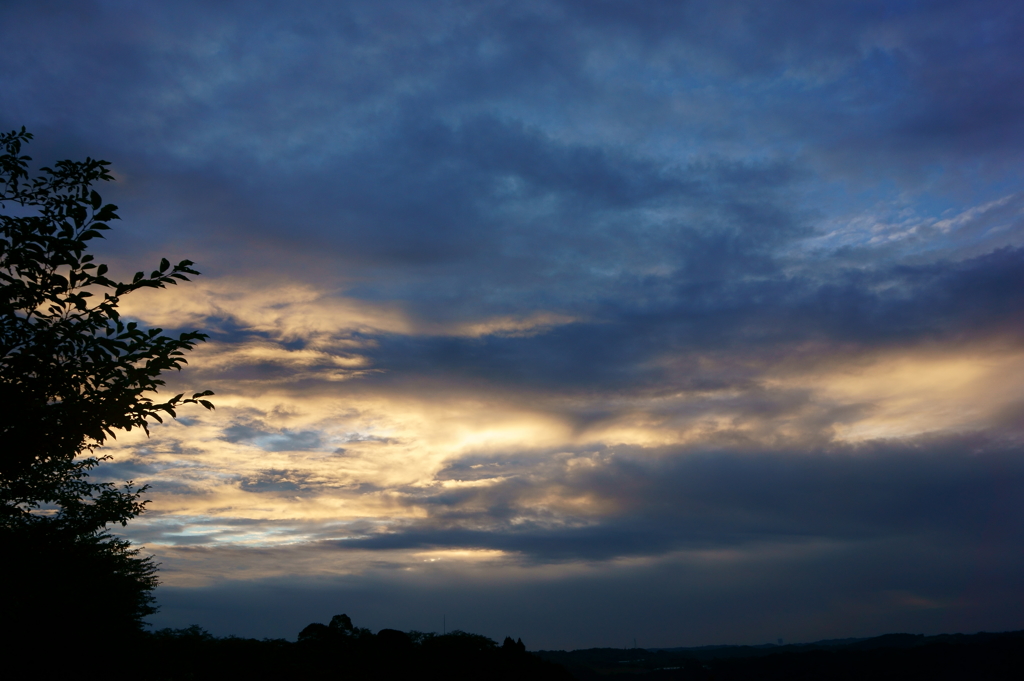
<point x="576" y="321"/>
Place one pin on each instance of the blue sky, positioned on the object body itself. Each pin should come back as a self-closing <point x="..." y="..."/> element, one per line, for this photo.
<point x="694" y="322"/>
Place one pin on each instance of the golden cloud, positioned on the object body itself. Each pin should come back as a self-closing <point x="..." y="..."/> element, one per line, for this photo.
<point x="294" y="461"/>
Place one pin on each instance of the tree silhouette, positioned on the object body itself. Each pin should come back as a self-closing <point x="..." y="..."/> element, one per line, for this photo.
<point x="71" y="374"/>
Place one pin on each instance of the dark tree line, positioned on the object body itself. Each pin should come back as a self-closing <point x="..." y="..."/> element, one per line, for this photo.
<point x="341" y="650"/>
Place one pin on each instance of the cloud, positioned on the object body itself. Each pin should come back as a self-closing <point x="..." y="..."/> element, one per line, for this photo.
<point x="284" y="440"/>
<point x="665" y="537"/>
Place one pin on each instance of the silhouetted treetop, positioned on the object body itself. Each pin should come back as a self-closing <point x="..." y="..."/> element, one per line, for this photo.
<point x="71" y="371"/>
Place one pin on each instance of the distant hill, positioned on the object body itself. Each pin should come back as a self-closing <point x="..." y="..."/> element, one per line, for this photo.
<point x="902" y="656"/>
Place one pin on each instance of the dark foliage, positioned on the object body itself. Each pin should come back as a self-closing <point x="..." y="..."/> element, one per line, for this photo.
<point x="336" y="650"/>
<point x="395" y="654"/>
<point x="71" y="374"/>
<point x="91" y="584"/>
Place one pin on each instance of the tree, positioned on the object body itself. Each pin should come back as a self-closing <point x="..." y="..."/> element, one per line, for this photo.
<point x="72" y="372"/>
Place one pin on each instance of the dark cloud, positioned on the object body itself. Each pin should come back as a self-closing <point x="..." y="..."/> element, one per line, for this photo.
<point x="273" y="441"/>
<point x="649" y="502"/>
<point x="414" y="122"/>
<point x="761" y="321"/>
<point x="127" y="470"/>
<point x="364" y="438"/>
<point x="273" y="481"/>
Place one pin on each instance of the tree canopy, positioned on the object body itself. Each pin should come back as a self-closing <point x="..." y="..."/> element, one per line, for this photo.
<point x="72" y="373"/>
